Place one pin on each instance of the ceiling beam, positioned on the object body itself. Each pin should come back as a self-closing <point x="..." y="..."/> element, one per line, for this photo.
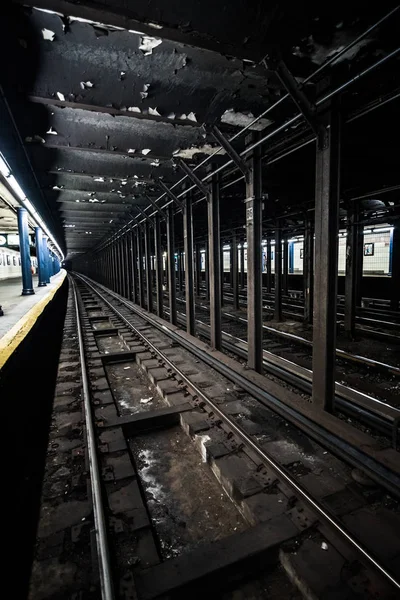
<point x="109" y="110"/>
<point x="181" y="32"/>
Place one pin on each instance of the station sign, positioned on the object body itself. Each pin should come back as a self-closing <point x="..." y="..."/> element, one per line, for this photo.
<point x="12" y="239"/>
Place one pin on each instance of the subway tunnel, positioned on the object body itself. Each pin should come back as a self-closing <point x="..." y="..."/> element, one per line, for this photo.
<point x="200" y="298"/>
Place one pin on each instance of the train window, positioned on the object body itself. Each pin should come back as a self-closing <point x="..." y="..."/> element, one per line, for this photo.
<point x="1" y="259"/>
<point x="19" y="260"/>
<point x="8" y="259"/>
<point x="14" y="261"/>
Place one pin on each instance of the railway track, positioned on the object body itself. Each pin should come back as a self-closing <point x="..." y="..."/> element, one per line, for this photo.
<point x="292" y="493"/>
<point x="371" y="412"/>
<point x="380" y="324"/>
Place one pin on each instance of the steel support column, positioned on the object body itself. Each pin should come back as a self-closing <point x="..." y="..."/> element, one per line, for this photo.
<point x="242" y="278"/>
<point x="234" y="272"/>
<point x="147" y="250"/>
<point x="140" y="266"/>
<point x="254" y="259"/>
<point x="128" y="267"/>
<point x="308" y="270"/>
<point x="133" y="267"/>
<point x="351" y="272"/>
<point x="207" y="270"/>
<point x="326" y="255"/>
<point x="395" y="291"/>
<point x="222" y="273"/>
<point x="26" y="267"/>
<point x="285" y="274"/>
<point x="268" y="265"/>
<point x="40" y="257"/>
<point x="171" y="265"/>
<point x="198" y="271"/>
<point x="359" y="258"/>
<point x="214" y="260"/>
<point x="278" y="273"/>
<point x="189" y="263"/>
<point x="159" y="266"/>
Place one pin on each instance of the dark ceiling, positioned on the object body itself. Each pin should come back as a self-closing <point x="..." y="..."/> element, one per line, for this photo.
<point x="106" y="97"/>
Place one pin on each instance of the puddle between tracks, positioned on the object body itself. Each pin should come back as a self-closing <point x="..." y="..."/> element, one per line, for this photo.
<point x="187" y="504"/>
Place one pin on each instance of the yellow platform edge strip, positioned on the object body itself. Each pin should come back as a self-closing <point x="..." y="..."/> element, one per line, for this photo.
<point x="13" y="338"/>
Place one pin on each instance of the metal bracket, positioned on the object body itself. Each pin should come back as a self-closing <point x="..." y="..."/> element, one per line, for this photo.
<point x="193" y="177"/>
<point x="144" y="215"/>
<point x="170" y="194"/>
<point x="158" y="208"/>
<point x="231" y="152"/>
<point x="307" y="108"/>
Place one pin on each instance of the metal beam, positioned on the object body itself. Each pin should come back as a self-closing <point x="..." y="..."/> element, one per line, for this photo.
<point x="159" y="266"/>
<point x="231" y="152"/>
<point x="193" y="177"/>
<point x="171" y="265"/>
<point x="242" y="277"/>
<point x="170" y="194"/>
<point x="253" y="204"/>
<point x="308" y="110"/>
<point x="189" y="264"/>
<point x="214" y="258"/>
<point x="327" y="190"/>
<point x="158" y="208"/>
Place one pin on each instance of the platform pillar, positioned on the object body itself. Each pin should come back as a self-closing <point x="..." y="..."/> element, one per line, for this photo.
<point x="214" y="263"/>
<point x="308" y="270"/>
<point x="327" y="189"/>
<point x="40" y="257"/>
<point x="253" y="204"/>
<point x="46" y="258"/>
<point x="132" y="250"/>
<point x="26" y="267"/>
<point x="395" y="283"/>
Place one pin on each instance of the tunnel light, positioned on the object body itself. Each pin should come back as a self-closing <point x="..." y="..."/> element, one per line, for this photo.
<point x="13" y="183"/>
<point x="4" y="169"/>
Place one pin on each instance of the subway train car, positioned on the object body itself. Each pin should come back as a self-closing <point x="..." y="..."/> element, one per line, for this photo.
<point x="10" y="263"/>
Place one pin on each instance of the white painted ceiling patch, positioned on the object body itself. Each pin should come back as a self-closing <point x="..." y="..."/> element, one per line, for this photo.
<point x="240" y="119"/>
<point x="190" y="152"/>
<point x="147" y="44"/>
<point x="48" y="34"/>
<point x="61" y="96"/>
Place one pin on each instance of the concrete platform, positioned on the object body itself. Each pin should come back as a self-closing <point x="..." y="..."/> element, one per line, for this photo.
<point x="21" y="312"/>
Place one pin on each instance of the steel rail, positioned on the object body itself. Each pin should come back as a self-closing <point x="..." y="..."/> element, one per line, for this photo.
<point x="291" y="337"/>
<point x="376" y="470"/>
<point x="107" y="591"/>
<point x="279" y="470"/>
<point x="268" y="136"/>
<point x="375" y="413"/>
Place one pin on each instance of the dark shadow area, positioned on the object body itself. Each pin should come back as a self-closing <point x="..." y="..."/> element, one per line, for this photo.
<point x="27" y="384"/>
